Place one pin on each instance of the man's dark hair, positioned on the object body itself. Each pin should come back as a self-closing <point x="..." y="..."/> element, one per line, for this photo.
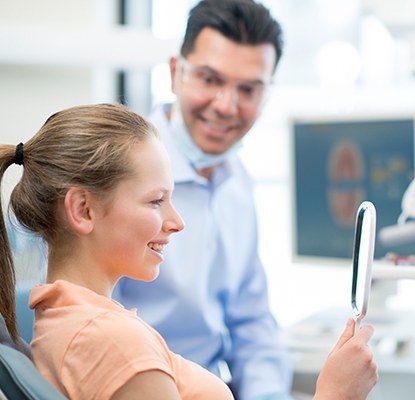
<point x="242" y="21"/>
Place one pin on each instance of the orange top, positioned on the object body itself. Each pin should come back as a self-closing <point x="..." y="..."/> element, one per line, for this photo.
<point x="88" y="346"/>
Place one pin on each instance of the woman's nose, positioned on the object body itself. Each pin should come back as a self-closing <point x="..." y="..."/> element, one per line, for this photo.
<point x="174" y="223"/>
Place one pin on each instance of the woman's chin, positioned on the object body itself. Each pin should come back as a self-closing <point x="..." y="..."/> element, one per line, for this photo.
<point x="150" y="275"/>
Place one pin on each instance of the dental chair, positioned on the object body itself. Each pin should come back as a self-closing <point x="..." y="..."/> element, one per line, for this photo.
<point x="19" y="378"/>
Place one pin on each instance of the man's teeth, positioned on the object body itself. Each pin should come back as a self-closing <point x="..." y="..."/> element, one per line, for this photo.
<point x="157" y="247"/>
<point x="216" y="127"/>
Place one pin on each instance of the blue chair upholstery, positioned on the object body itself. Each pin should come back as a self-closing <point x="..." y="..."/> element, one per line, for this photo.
<point x="25" y="316"/>
<point x="19" y="378"/>
<point x="6" y="339"/>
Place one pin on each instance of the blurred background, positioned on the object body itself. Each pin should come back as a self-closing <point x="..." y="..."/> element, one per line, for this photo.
<point x="347" y="61"/>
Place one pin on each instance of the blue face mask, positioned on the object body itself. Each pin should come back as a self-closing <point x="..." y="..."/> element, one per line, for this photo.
<point x="197" y="158"/>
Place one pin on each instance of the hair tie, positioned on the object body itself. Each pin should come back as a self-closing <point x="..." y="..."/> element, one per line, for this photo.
<point x="18" y="156"/>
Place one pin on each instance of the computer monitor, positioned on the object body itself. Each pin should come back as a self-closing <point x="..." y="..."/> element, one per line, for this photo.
<point x="337" y="164"/>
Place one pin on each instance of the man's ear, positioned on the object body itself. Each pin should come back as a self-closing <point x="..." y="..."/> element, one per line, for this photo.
<point x="173" y="73"/>
<point x="79" y="211"/>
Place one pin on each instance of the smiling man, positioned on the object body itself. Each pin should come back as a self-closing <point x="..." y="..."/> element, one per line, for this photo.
<point x="210" y="300"/>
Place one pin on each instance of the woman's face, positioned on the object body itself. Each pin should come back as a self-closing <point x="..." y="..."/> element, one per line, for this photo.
<point x="130" y="234"/>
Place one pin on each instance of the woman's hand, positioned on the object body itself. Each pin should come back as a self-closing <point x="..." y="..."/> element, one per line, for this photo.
<point x="349" y="372"/>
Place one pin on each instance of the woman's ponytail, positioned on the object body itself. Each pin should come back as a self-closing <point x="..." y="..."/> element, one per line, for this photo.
<point x="7" y="273"/>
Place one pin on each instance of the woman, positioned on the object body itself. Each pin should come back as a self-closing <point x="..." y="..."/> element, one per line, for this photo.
<point x="97" y="186"/>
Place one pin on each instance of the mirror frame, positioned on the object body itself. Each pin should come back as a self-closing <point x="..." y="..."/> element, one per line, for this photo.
<point x="365" y="211"/>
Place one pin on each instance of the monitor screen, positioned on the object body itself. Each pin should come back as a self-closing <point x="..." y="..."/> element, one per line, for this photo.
<point x="337" y="164"/>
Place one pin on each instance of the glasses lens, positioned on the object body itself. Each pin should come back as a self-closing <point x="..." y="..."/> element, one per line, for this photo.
<point x="208" y="84"/>
<point x="250" y="94"/>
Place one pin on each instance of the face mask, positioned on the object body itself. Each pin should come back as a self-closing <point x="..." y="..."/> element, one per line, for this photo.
<point x="197" y="158"/>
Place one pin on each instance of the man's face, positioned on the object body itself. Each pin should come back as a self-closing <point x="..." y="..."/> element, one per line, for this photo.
<point x="220" y="88"/>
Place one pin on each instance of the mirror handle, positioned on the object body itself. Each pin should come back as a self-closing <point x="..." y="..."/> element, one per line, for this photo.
<point x="357" y="322"/>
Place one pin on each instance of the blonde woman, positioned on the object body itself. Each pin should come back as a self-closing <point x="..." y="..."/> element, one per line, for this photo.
<point x="96" y="186"/>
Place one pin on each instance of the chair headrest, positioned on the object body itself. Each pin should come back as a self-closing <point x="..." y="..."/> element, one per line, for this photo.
<point x="19" y="378"/>
<point x="7" y="340"/>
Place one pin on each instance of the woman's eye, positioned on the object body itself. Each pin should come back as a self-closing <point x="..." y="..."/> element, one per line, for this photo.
<point x="157" y="202"/>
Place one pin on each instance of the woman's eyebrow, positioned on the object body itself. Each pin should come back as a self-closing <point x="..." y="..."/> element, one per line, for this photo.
<point x="159" y="190"/>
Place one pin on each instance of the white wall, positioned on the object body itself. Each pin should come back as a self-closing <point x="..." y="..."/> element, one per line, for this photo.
<point x="42" y="72"/>
<point x="30" y="94"/>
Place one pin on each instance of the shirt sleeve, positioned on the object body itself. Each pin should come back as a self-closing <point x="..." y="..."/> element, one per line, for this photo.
<point x="258" y="362"/>
<point x="107" y="352"/>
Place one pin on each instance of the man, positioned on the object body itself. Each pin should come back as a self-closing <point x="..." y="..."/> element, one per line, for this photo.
<point x="210" y="300"/>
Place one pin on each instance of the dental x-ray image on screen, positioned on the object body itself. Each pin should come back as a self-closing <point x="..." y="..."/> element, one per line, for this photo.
<point x="337" y="164"/>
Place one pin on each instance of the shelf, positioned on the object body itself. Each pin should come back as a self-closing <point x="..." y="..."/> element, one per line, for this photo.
<point x="116" y="47"/>
<point x="393" y="272"/>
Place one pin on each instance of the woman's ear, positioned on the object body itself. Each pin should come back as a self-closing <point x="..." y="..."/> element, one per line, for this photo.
<point x="173" y="73"/>
<point x="78" y="210"/>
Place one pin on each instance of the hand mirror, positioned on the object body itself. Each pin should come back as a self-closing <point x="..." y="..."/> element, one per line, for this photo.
<point x="364" y="245"/>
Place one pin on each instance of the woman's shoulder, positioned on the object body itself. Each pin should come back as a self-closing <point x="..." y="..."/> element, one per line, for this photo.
<point x="107" y="351"/>
<point x="122" y="331"/>
<point x="120" y="323"/>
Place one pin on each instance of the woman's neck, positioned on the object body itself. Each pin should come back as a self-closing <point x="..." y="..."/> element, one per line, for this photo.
<point x="82" y="272"/>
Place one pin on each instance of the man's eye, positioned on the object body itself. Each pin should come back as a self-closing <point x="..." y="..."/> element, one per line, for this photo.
<point x="210" y="80"/>
<point x="247" y="90"/>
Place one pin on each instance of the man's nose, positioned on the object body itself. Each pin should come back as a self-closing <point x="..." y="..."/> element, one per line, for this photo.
<point x="226" y="101"/>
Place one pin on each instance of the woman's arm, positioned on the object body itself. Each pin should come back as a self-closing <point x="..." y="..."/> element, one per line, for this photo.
<point x="154" y="385"/>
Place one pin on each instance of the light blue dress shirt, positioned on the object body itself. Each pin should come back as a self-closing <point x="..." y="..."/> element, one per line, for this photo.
<point x="210" y="301"/>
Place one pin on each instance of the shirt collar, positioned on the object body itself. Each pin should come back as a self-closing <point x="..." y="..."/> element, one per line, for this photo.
<point x="62" y="293"/>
